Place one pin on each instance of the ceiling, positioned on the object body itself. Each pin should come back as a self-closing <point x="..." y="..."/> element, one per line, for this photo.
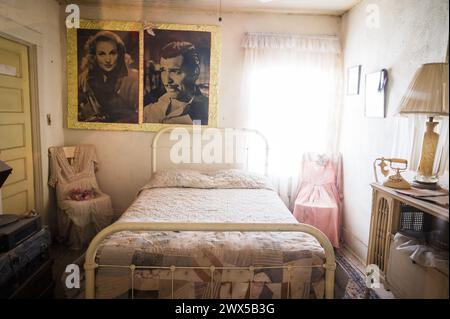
<point x="329" y="7"/>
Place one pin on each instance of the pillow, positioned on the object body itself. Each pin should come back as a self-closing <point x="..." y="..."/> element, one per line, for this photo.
<point x="220" y="179"/>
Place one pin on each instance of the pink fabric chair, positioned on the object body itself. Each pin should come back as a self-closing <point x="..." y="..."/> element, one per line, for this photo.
<point x="320" y="194"/>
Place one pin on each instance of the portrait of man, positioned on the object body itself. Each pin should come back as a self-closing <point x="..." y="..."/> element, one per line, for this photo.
<point x="176" y="77"/>
<point x="108" y="76"/>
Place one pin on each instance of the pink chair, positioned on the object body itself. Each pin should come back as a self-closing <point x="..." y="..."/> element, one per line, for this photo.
<point x="320" y="194"/>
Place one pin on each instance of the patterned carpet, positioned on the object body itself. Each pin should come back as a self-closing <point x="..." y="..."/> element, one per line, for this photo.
<point x="355" y="288"/>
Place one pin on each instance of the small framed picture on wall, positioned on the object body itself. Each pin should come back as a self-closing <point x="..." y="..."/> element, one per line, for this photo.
<point x="353" y="79"/>
<point x="375" y="96"/>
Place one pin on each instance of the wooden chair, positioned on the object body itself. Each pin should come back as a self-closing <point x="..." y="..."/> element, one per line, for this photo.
<point x="80" y="220"/>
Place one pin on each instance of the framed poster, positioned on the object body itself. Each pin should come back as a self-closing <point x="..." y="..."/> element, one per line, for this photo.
<point x="104" y="69"/>
<point x="353" y="80"/>
<point x="180" y="77"/>
<point x="375" y="97"/>
<point x="131" y="76"/>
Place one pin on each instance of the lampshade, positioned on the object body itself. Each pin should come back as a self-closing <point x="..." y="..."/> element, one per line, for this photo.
<point x="428" y="91"/>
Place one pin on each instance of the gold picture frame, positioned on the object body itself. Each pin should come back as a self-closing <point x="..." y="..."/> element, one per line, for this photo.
<point x="81" y="102"/>
<point x="77" y="39"/>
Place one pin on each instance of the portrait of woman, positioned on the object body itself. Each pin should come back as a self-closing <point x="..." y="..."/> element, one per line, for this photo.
<point x="108" y="76"/>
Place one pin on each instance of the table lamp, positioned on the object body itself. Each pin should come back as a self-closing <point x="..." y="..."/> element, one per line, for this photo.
<point x="427" y="94"/>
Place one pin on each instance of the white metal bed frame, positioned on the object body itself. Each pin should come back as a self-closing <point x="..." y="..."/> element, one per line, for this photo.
<point x="90" y="265"/>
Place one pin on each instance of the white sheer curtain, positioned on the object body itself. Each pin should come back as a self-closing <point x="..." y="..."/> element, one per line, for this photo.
<point x="292" y="88"/>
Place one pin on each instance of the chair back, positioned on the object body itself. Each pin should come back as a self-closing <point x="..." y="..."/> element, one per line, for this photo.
<point x="69" y="151"/>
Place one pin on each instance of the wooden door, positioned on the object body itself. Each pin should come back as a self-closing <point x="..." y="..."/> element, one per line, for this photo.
<point x="15" y="128"/>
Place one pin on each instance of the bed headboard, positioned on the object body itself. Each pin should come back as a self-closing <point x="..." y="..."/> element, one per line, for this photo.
<point x="216" y="148"/>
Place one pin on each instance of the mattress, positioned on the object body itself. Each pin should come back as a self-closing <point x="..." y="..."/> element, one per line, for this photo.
<point x="228" y="196"/>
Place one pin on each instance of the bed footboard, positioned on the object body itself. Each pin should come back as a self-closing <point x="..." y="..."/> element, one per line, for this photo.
<point x="90" y="265"/>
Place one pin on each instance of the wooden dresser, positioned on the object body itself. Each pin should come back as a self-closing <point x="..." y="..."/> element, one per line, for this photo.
<point x="385" y="222"/>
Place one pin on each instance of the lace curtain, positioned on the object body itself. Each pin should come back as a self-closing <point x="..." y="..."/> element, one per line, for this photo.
<point x="292" y="86"/>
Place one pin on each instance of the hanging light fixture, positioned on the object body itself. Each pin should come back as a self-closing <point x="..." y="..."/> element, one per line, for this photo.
<point x="220" y="10"/>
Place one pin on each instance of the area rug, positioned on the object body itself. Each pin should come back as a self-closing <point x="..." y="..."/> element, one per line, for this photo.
<point x="356" y="286"/>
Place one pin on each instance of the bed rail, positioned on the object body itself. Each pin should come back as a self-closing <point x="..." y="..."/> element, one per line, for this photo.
<point x="90" y="265"/>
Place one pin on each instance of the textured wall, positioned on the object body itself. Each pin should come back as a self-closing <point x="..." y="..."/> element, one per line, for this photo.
<point x="410" y="32"/>
<point x="125" y="156"/>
